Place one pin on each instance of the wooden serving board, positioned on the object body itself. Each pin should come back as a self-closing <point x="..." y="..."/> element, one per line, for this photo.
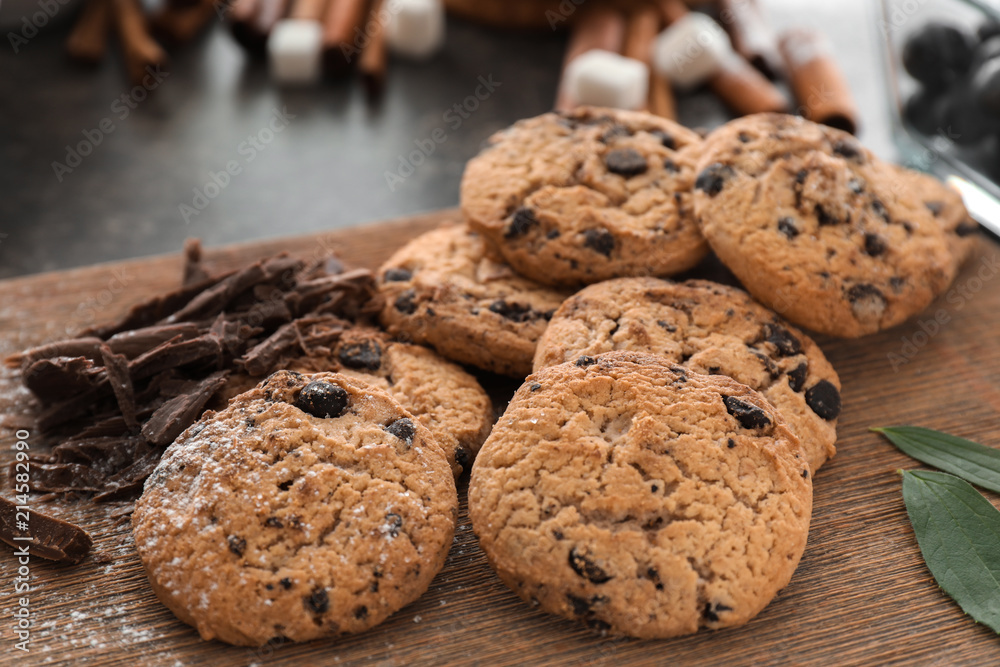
<point x="861" y="595"/>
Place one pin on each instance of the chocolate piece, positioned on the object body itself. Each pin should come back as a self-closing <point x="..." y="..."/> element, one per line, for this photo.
<point x="194" y="271"/>
<point x="89" y="347"/>
<point x="60" y="378"/>
<point x="782" y="339"/>
<point x="322" y="399"/>
<point x="397" y="275"/>
<point x="523" y="220"/>
<point x="116" y="366"/>
<point x="405" y="302"/>
<point x="318" y="601"/>
<point x="585" y="361"/>
<point x="788" y="227"/>
<point x="867" y="301"/>
<point x="625" y="162"/>
<point x="587" y="569"/>
<point x="365" y="355"/>
<point x="171" y="418"/>
<point x="402" y="429"/>
<point x="599" y="240"/>
<point x="516" y="312"/>
<point x="747" y="414"/>
<point x="875" y="245"/>
<point x="51" y="538"/>
<point x="262" y="357"/>
<point x="824" y="399"/>
<point x="137" y="341"/>
<point x="967" y="228"/>
<point x="797" y="377"/>
<point x="713" y="178"/>
<point x="849" y="150"/>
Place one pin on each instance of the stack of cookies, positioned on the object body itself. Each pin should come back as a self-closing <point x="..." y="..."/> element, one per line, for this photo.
<point x="653" y="474"/>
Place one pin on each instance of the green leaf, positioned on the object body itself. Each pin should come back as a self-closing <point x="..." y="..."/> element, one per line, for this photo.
<point x="969" y="460"/>
<point x="958" y="531"/>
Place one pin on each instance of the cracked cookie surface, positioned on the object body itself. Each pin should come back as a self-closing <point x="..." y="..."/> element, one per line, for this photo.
<point x="710" y="329"/>
<point x="311" y="506"/>
<point x="441" y="395"/>
<point x="819" y="229"/>
<point x="587" y="195"/>
<point x="445" y="289"/>
<point x="641" y="499"/>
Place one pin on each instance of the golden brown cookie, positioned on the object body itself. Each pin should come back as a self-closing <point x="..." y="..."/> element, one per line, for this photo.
<point x="706" y="328"/>
<point x="440" y="394"/>
<point x="311" y="506"/>
<point x="444" y="289"/>
<point x="641" y="499"/>
<point x="817" y="228"/>
<point x="579" y="197"/>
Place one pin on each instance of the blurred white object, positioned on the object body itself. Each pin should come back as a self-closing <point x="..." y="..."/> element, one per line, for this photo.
<point x="606" y="79"/>
<point x="295" y="48"/>
<point x="691" y="50"/>
<point x="415" y="27"/>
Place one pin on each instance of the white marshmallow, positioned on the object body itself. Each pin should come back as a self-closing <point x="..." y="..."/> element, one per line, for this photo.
<point x="415" y="28"/>
<point x="294" y="49"/>
<point x="606" y="79"/>
<point x="691" y="50"/>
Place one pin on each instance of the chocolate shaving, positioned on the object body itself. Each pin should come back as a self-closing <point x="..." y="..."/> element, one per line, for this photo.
<point x="171" y="418"/>
<point x="117" y="396"/>
<point x="51" y="538"/>
<point x="116" y="366"/>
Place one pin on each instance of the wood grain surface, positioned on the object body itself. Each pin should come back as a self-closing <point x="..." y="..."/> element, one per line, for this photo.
<point x="861" y="595"/>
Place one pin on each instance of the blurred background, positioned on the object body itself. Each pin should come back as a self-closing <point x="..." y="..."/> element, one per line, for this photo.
<point x="299" y="159"/>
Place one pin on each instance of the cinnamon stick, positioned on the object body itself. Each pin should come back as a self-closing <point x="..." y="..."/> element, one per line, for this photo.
<point x="89" y="39"/>
<point x="182" y="23"/>
<point x="598" y="27"/>
<point x="372" y="64"/>
<point x="752" y="37"/>
<point x="341" y="28"/>
<point x="818" y="83"/>
<point x="643" y="27"/>
<point x="139" y="49"/>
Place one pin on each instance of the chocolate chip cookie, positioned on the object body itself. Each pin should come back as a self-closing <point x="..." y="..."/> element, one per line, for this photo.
<point x="311" y="506"/>
<point x="640" y="498"/>
<point x="445" y="289"/>
<point x="583" y="196"/>
<point x="441" y="395"/>
<point x="817" y="228"/>
<point x="706" y="328"/>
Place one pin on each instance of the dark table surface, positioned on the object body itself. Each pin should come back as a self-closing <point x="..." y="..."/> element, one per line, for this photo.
<point x="327" y="168"/>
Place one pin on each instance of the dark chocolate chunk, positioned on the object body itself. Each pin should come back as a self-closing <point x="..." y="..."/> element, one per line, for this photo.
<point x="783" y="339"/>
<point x="402" y="429"/>
<point x="396" y="275"/>
<point x="361" y="612"/>
<point x="896" y="283"/>
<point x="747" y="414"/>
<point x="805" y="474"/>
<point x="856" y="186"/>
<point x="625" y="162"/>
<point x="59" y="378"/>
<point x="824" y="217"/>
<point x="670" y="166"/>
<point x="587" y="569"/>
<point x="797" y="376"/>
<point x="713" y="178"/>
<point x="787" y="226"/>
<point x="393" y="522"/>
<point x="237" y="545"/>
<point x="585" y="361"/>
<point x="322" y="399"/>
<point x="967" y="228"/>
<point x="875" y="245"/>
<point x="176" y="414"/>
<point x="523" y="220"/>
<point x="744" y="137"/>
<point x="615" y="131"/>
<point x="848" y="150"/>
<point x="712" y="611"/>
<point x="366" y="354"/>
<point x="731" y="444"/>
<point x="553" y="234"/>
<point x="867" y="301"/>
<point x="599" y="240"/>
<point x="935" y="207"/>
<point x="286" y="583"/>
<point x="665" y="139"/>
<point x="666" y="325"/>
<point x="824" y="399"/>
<point x="535" y="387"/>
<point x="516" y="312"/>
<point x="51" y="538"/>
<point x="273" y="522"/>
<point x="318" y="601"/>
<point x="880" y="210"/>
<point x="405" y="302"/>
